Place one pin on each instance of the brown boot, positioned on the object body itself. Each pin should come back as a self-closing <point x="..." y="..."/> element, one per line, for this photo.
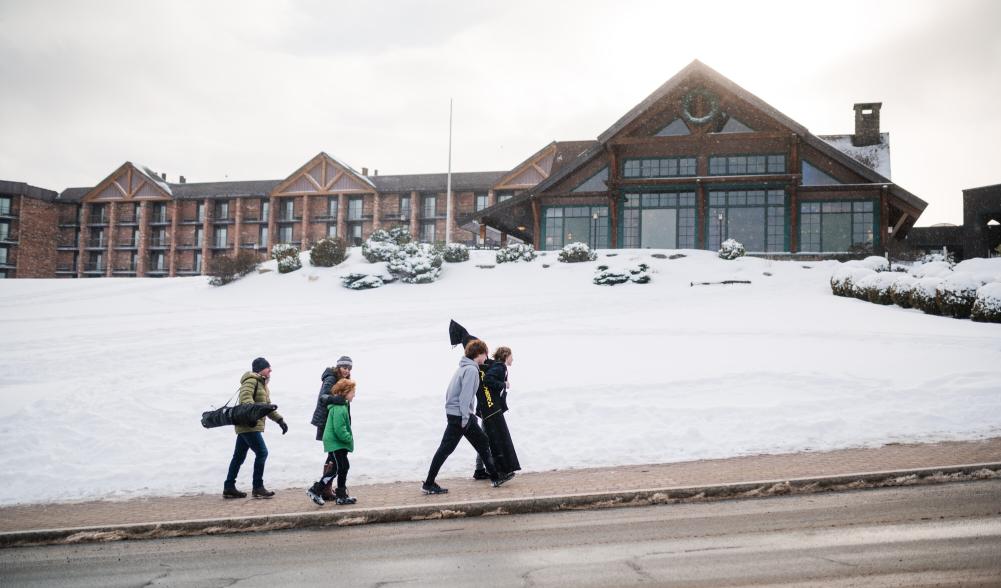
<point x="328" y="491"/>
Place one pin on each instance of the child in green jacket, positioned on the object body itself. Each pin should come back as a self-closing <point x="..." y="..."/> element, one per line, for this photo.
<point x="337" y="442"/>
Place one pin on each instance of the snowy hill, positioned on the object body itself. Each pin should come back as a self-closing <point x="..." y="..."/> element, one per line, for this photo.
<point x="104" y="380"/>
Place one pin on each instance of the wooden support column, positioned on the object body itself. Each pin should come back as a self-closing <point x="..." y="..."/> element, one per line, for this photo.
<point x="503" y="239"/>
<point x="81" y="238"/>
<point x="143" y="239"/>
<point x="536" y="223"/>
<point x="483" y="234"/>
<point x="206" y="235"/>
<point x="884" y="219"/>
<point x="613" y="217"/>
<point x="415" y="229"/>
<point x="112" y="227"/>
<point x="794" y="169"/>
<point x="172" y="261"/>
<point x="702" y="228"/>
<point x="237" y="225"/>
<point x="491" y="199"/>
<point x="304" y="231"/>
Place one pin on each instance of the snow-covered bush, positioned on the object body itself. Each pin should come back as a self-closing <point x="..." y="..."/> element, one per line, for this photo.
<point x="382" y="245"/>
<point x="923" y="295"/>
<point x="287" y="256"/>
<point x="576" y="252"/>
<point x="986" y="270"/>
<point x="948" y="258"/>
<point x="731" y="249"/>
<point x="328" y="252"/>
<point x="516" y="252"/>
<point x="987" y="308"/>
<point x="606" y="276"/>
<point x="875" y="287"/>
<point x="361" y="281"/>
<point x="844" y="278"/>
<point x="901" y="289"/>
<point x="956" y="294"/>
<point x="455" y="253"/>
<point x="932" y="269"/>
<point x="416" y="263"/>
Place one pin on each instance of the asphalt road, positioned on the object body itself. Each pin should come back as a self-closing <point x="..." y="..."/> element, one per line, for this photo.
<point x="941" y="535"/>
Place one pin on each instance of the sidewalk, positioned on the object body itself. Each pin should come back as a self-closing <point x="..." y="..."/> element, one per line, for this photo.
<point x="522" y="489"/>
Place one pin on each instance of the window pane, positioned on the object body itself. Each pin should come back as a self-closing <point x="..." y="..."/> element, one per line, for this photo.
<point x="747" y="225"/>
<point x="836" y="232"/>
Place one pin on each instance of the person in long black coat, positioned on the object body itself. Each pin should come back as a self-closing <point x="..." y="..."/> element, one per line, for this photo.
<point x="491" y="404"/>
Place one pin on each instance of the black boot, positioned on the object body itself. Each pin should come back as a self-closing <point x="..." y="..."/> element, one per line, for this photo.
<point x="262" y="492"/>
<point x="343" y="498"/>
<point x="315" y="493"/>
<point x="230" y="491"/>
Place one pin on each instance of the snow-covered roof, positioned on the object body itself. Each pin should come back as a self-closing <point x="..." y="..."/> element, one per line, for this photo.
<point x="875" y="157"/>
<point x="343" y="164"/>
<point x="154" y="177"/>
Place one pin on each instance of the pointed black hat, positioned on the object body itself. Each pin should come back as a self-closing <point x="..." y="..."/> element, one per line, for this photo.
<point x="458" y="334"/>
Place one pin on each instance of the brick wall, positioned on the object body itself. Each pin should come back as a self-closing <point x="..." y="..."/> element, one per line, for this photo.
<point x="38" y="233"/>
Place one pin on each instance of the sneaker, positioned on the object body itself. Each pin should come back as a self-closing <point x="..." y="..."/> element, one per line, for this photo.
<point x="481" y="475"/>
<point x="433" y="488"/>
<point x="262" y="492"/>
<point x="232" y="492"/>
<point x="502" y="478"/>
<point x="315" y="493"/>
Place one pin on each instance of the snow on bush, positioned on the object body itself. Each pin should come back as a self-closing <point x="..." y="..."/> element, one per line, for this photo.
<point x="455" y="253"/>
<point x="516" y="252"/>
<point x="636" y="273"/>
<point x="931" y="269"/>
<point x="923" y="295"/>
<point x="986" y="270"/>
<point x="948" y="258"/>
<point x="731" y="249"/>
<point x="361" y="281"/>
<point x="873" y="262"/>
<point x="987" y="308"/>
<point x="383" y="245"/>
<point x="956" y="294"/>
<point x="287" y="256"/>
<point x="416" y="263"/>
<point x="844" y="277"/>
<point x="576" y="252"/>
<point x="901" y="289"/>
<point x="876" y="287"/>
<point x="328" y="252"/>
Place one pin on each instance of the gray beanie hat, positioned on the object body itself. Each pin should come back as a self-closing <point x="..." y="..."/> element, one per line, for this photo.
<point x="344" y="361"/>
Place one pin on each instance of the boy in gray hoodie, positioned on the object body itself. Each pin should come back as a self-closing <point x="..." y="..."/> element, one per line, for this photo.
<point x="460" y="404"/>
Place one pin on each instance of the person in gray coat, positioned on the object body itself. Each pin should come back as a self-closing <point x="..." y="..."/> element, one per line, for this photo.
<point x="460" y="404"/>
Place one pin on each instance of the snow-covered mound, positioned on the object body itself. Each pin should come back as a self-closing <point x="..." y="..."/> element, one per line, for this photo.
<point x="104" y="381"/>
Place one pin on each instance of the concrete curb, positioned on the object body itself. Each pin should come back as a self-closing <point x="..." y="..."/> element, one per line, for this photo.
<point x="537" y="504"/>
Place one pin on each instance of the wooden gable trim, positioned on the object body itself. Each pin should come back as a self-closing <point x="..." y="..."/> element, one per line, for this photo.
<point x="531" y="163"/>
<point x="128" y="192"/>
<point x="324" y="187"/>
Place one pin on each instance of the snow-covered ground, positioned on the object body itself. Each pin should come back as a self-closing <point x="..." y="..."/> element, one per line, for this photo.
<point x="102" y="382"/>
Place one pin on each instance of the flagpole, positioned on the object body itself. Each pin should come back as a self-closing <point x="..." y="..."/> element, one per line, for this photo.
<point x="448" y="186"/>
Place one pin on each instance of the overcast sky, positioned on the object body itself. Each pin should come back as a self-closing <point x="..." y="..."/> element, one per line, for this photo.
<point x="248" y="90"/>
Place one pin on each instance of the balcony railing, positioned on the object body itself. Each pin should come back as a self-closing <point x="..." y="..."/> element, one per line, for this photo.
<point x="69" y="222"/>
<point x="97" y="243"/>
<point x="127" y="220"/>
<point x="188" y="246"/>
<point x="125" y="269"/>
<point x="101" y="219"/>
<point x="8" y="237"/>
<point x="396" y="216"/>
<point x="131" y="244"/>
<point x="223" y="220"/>
<point x="289" y="219"/>
<point x="159" y="219"/>
<point x="221" y="245"/>
<point x="156" y="270"/>
<point x="192" y="221"/>
<point x="66" y="269"/>
<point x="6" y="212"/>
<point x="67" y="245"/>
<point x="155" y="243"/>
<point x="95" y="267"/>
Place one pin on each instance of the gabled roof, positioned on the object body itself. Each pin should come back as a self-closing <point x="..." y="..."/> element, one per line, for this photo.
<point x="129" y="181"/>
<point x="876" y="157"/>
<point x="694" y="68"/>
<point x="546" y="161"/>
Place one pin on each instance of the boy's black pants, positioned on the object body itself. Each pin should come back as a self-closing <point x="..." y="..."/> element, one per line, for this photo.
<point x="454" y="432"/>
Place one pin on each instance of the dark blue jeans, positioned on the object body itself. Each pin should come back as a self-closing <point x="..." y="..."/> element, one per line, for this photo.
<point x="255" y="442"/>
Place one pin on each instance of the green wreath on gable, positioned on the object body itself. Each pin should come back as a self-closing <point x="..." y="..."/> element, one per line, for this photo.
<point x="687" y="106"/>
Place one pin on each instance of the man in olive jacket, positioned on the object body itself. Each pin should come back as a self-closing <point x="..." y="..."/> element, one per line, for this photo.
<point x="253" y="388"/>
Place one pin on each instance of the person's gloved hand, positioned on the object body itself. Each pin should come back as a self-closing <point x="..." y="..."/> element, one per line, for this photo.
<point x="284" y="427"/>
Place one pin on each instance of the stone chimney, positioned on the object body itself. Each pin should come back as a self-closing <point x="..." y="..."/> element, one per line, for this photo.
<point x="163" y="175"/>
<point x="375" y="172"/>
<point x="183" y="180"/>
<point x="866" y="124"/>
<point x="364" y="171"/>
